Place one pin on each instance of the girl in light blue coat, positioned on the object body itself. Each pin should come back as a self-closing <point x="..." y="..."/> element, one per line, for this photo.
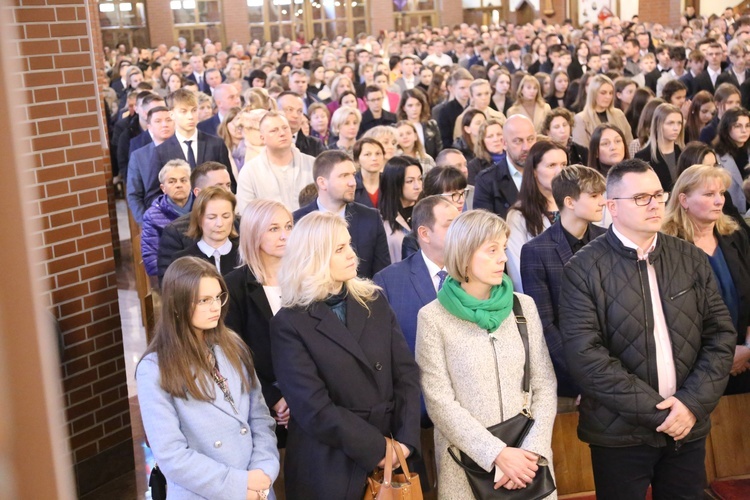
<point x="201" y="403"/>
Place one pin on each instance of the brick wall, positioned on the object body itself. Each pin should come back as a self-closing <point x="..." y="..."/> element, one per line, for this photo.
<point x="75" y="211"/>
<point x="666" y="12"/>
<point x="160" y="23"/>
<point x="235" y="20"/>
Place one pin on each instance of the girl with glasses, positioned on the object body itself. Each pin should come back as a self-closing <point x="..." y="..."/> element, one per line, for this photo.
<point x="201" y="402"/>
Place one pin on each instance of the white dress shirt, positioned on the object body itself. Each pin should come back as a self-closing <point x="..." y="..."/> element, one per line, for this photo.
<point x="433" y="270"/>
<point x="194" y="145"/>
<point x="515" y="174"/>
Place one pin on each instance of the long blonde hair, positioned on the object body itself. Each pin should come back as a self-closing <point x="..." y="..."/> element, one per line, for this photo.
<point x="305" y="274"/>
<point x="255" y="221"/>
<point x="596" y="83"/>
<point x="532" y="80"/>
<point x="184" y="367"/>
<point x="657" y="122"/>
<point x="677" y="222"/>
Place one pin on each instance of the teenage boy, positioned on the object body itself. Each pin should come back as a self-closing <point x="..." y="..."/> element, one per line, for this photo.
<point x="579" y="194"/>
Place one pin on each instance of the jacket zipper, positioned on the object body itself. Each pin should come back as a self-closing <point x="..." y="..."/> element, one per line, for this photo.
<point x="497" y="378"/>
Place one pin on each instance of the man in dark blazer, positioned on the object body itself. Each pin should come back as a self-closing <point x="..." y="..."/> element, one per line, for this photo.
<point x="226" y="97"/>
<point x="496" y="189"/>
<point x="138" y="124"/>
<point x="579" y="192"/>
<point x="140" y="172"/>
<point x="291" y="106"/>
<point x="188" y="143"/>
<point x="695" y="66"/>
<point x="414" y="282"/>
<point x="333" y="172"/>
<point x="375" y="114"/>
<point x="708" y="79"/>
<point x="458" y="84"/>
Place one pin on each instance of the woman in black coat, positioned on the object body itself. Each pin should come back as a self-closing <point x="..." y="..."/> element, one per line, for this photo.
<point x="255" y="296"/>
<point x="694" y="213"/>
<point x="342" y="364"/>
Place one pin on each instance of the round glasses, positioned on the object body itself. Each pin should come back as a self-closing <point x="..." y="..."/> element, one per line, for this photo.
<point x="457" y="196"/>
<point x="207" y="302"/>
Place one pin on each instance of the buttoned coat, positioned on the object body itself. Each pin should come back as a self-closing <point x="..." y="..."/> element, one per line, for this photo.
<point x="347" y="387"/>
<point x="495" y="190"/>
<point x="203" y="448"/>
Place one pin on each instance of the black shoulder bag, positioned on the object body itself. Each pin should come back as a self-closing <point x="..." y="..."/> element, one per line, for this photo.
<point x="512" y="432"/>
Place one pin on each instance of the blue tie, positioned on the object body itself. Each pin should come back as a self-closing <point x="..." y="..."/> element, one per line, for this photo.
<point x="442" y="274"/>
<point x="190" y="155"/>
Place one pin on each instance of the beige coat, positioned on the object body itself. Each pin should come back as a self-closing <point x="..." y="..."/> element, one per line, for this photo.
<point x="583" y="127"/>
<point x="396" y="238"/>
<point x="459" y="380"/>
<point x="540" y="113"/>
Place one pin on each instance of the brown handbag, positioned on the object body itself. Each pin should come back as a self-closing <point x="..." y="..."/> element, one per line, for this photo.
<point x="385" y="485"/>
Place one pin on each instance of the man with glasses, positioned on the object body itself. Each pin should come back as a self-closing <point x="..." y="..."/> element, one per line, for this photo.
<point x="375" y="114"/>
<point x="648" y="339"/>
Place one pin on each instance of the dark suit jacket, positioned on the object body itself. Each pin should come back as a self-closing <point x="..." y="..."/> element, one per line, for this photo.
<point x="249" y="315"/>
<point x="708" y="133"/>
<point x="736" y="250"/>
<point x="228" y="262"/>
<point x="118" y="87"/>
<point x="728" y="76"/>
<point x="210" y="125"/>
<point x="132" y="131"/>
<point x="446" y="120"/>
<point x="703" y="82"/>
<point x="408" y="287"/>
<point x="745" y="93"/>
<point x="368" y="122"/>
<point x="203" y="85"/>
<point x="433" y="143"/>
<point x="142" y="182"/>
<point x="689" y="82"/>
<point x="210" y="148"/>
<point x="542" y="262"/>
<point x="651" y="78"/>
<point x="368" y="236"/>
<point x="139" y="141"/>
<point x="495" y="190"/>
<point x="660" y="167"/>
<point x="347" y="386"/>
<point x="475" y="166"/>
<point x="309" y="145"/>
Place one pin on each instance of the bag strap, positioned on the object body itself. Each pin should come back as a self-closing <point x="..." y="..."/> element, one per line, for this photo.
<point x="463" y="465"/>
<point x="402" y="460"/>
<point x="388" y="470"/>
<point x="521" y="324"/>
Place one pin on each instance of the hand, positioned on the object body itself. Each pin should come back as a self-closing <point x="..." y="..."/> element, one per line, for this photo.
<point x="680" y="420"/>
<point x="404" y="448"/>
<point x="685" y="108"/>
<point x="258" y="480"/>
<point x="282" y="412"/>
<point x="741" y="359"/>
<point x="518" y="465"/>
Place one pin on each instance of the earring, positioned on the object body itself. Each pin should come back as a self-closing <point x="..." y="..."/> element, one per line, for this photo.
<point x="467" y="275"/>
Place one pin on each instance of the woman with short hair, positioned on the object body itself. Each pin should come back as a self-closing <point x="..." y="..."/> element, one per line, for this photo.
<point x="342" y="364"/>
<point x="471" y="358"/>
<point x="345" y="124"/>
<point x="558" y="125"/>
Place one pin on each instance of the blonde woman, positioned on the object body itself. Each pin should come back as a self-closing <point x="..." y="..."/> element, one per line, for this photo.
<point x="600" y="108"/>
<point x="340" y="84"/>
<point x="231" y="132"/>
<point x="489" y="148"/>
<point x="345" y="124"/>
<point x="471" y="358"/>
<point x="342" y="364"/>
<point x="481" y="98"/>
<point x="694" y="213"/>
<point x="410" y="145"/>
<point x="255" y="294"/>
<point x="530" y="102"/>
<point x="386" y="136"/>
<point x="662" y="151"/>
<point x="250" y="121"/>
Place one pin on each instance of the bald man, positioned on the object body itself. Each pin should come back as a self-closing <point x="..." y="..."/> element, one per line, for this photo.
<point x="497" y="187"/>
<point x="226" y="97"/>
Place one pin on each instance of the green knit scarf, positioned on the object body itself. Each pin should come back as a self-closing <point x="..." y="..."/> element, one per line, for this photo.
<point x="488" y="314"/>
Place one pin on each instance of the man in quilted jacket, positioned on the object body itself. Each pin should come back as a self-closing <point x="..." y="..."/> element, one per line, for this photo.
<point x="650" y="342"/>
<point x="177" y="200"/>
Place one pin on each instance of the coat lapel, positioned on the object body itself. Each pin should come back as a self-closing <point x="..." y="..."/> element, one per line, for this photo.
<point x="235" y="387"/>
<point x="201" y="148"/>
<point x="421" y="279"/>
<point x="563" y="248"/>
<point x="330" y="326"/>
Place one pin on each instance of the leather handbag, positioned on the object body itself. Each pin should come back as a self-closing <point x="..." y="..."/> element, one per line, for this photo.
<point x="385" y="485"/>
<point x="512" y="432"/>
<point x="158" y="484"/>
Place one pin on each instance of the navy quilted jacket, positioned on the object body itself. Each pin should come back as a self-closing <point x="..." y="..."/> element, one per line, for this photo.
<point x="156" y="218"/>
<point x="606" y="322"/>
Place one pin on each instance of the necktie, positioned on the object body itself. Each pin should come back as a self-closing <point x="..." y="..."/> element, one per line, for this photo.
<point x="442" y="274"/>
<point x="190" y="155"/>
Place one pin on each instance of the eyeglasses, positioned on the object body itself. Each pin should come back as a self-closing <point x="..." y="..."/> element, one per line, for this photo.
<point x="643" y="200"/>
<point x="207" y="302"/>
<point x="457" y="196"/>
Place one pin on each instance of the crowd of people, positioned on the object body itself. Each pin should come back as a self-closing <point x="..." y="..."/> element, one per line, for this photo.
<point x="348" y="235"/>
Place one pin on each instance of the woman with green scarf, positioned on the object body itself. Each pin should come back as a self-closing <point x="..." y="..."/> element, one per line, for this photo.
<point x="472" y="357"/>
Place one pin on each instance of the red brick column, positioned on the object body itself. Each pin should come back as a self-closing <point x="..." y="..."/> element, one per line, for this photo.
<point x="59" y="48"/>
<point x="666" y="12"/>
<point x="451" y="12"/>
<point x="235" y="19"/>
<point x="160" y="23"/>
